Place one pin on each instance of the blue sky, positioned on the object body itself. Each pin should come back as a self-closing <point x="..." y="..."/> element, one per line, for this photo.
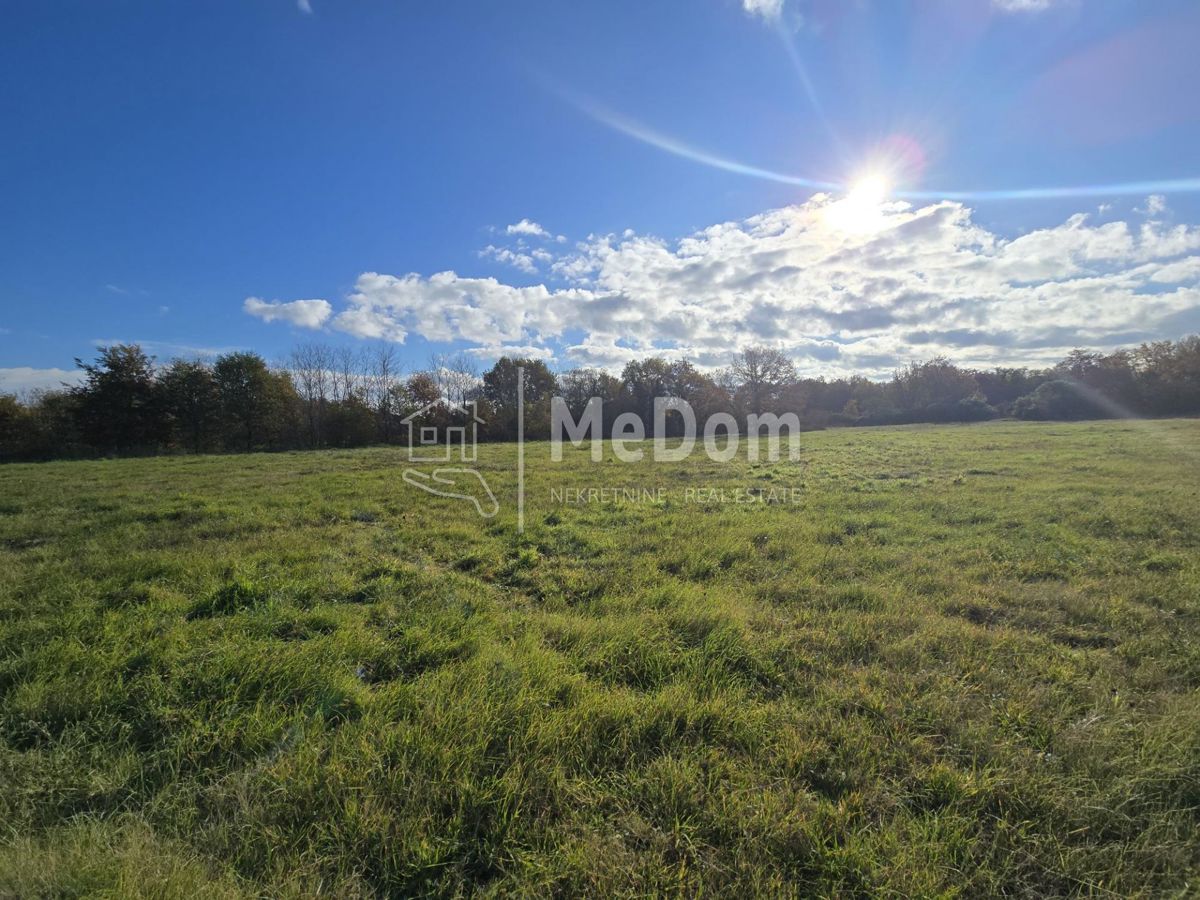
<point x="204" y="176"/>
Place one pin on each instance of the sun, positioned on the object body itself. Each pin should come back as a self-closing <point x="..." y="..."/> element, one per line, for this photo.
<point x="869" y="191"/>
<point x="861" y="210"/>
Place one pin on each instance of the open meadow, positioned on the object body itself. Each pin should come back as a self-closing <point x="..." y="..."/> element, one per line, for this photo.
<point x="929" y="660"/>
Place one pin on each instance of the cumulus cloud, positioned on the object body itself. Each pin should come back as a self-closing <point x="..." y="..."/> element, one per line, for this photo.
<point x="1156" y="205"/>
<point x="448" y="307"/>
<point x="768" y="9"/>
<point x="527" y="250"/>
<point x="367" y="322"/>
<point x="838" y="290"/>
<point x="518" y="259"/>
<point x="527" y="227"/>
<point x="301" y="313"/>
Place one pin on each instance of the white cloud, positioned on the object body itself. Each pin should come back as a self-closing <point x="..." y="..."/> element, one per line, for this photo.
<point x="919" y="281"/>
<point x="515" y="258"/>
<point x="1025" y="6"/>
<point x="1179" y="272"/>
<point x="527" y="227"/>
<point x="23" y="380"/>
<point x="446" y="307"/>
<point x="520" y="254"/>
<point x="526" y="351"/>
<point x="305" y="6"/>
<point x="1156" y="205"/>
<point x="301" y="313"/>
<point x="366" y="322"/>
<point x="768" y="9"/>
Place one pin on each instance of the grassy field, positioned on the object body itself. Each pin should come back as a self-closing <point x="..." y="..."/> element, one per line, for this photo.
<point x="956" y="661"/>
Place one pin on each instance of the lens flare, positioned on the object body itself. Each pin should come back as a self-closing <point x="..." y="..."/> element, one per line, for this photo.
<point x="646" y="135"/>
<point x="861" y="211"/>
<point x="676" y="147"/>
<point x="869" y="190"/>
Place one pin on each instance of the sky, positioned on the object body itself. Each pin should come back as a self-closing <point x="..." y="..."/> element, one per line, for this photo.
<point x="861" y="184"/>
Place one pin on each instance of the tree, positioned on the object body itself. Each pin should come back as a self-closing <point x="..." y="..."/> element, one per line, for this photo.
<point x="14" y="427"/>
<point x="578" y="386"/>
<point x="351" y="423"/>
<point x="827" y="402"/>
<point x="644" y="380"/>
<point x="500" y="392"/>
<point x="761" y="373"/>
<point x="1002" y="387"/>
<point x="311" y="366"/>
<point x="1168" y="376"/>
<point x="1110" y="380"/>
<point x="382" y="381"/>
<point x="349" y="398"/>
<point x="119" y="405"/>
<point x="192" y="403"/>
<point x="420" y="390"/>
<point x="344" y="374"/>
<point x="936" y="385"/>
<point x="51" y="428"/>
<point x="702" y="392"/>
<point x="456" y="375"/>
<point x="1058" y="399"/>
<point x="254" y="400"/>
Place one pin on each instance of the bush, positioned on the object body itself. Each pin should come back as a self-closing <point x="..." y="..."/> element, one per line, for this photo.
<point x="1058" y="399"/>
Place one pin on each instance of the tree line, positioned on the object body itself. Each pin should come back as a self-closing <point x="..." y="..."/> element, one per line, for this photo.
<point x="322" y="396"/>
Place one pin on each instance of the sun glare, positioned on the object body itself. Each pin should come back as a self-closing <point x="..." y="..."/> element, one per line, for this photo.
<point x="870" y="190"/>
<point x="861" y="210"/>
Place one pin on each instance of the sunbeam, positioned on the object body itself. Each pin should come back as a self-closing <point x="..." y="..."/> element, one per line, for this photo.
<point x="676" y="147"/>
<point x="810" y="90"/>
<point x="1117" y="410"/>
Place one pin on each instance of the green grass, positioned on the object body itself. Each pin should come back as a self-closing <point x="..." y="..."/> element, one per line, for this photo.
<point x="964" y="663"/>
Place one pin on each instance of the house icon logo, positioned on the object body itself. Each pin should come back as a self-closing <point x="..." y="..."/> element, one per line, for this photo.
<point x="443" y="432"/>
<point x="446" y="434"/>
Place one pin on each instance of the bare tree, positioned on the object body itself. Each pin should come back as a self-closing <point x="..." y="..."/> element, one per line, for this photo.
<point x="311" y="366"/>
<point x="762" y="373"/>
<point x="726" y="380"/>
<point x="346" y="370"/>
<point x="457" y="376"/>
<point x="382" y="393"/>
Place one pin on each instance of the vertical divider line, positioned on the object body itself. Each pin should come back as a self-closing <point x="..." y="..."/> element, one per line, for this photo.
<point x="520" y="449"/>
